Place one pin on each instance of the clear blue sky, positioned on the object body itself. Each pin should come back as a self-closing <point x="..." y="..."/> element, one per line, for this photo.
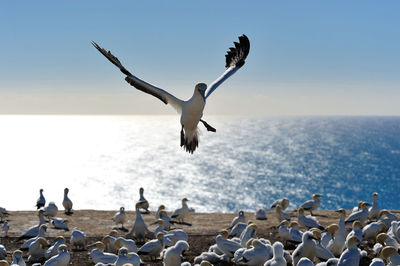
<point x="307" y="57"/>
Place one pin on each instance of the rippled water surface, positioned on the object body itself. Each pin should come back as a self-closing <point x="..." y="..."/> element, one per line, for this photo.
<point x="247" y="164"/>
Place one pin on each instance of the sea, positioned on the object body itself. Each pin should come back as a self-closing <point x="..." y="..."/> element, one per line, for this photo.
<point x="247" y="164"/>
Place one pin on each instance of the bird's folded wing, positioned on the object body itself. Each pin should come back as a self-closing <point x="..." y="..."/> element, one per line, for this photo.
<point x="234" y="60"/>
<point x="139" y="84"/>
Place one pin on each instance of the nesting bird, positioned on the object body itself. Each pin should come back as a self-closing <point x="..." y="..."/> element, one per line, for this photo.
<point x="283" y="203"/>
<point x="50" y="210"/>
<point x="78" y="239"/>
<point x="240" y="218"/>
<point x="61" y="259"/>
<point x="351" y="256"/>
<point x="173" y="255"/>
<point x="308" y="221"/>
<point x="260" y="214"/>
<point x="305" y="249"/>
<point x="154" y="247"/>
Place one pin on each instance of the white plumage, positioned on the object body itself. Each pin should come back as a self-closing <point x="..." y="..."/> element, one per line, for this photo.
<point x="191" y="111"/>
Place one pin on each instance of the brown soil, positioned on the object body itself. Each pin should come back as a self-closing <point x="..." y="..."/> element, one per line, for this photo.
<point x="202" y="233"/>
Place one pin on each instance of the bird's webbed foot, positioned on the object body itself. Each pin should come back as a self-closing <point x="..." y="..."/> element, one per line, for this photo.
<point x="209" y="128"/>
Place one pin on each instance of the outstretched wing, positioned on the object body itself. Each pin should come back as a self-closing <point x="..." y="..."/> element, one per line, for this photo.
<point x="139" y="84"/>
<point x="234" y="60"/>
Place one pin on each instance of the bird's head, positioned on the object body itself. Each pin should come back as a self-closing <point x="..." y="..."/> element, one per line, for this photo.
<point x="201" y="88"/>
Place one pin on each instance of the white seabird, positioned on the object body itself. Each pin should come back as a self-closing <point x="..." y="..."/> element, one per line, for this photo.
<point x="67" y="203"/>
<point x="321" y="252"/>
<point x="139" y="229"/>
<point x="280" y="214"/>
<point x="391" y="255"/>
<point x="260" y="214"/>
<point x="237" y="229"/>
<point x="125" y="258"/>
<point x="387" y="218"/>
<point x="373" y="211"/>
<point x="313" y="204"/>
<point x="227" y="246"/>
<point x="36" y="250"/>
<point x="387" y="240"/>
<point x="173" y="255"/>
<point x="284" y="203"/>
<point x="283" y="231"/>
<point x="330" y="262"/>
<point x="241" y="218"/>
<point x="294" y="232"/>
<point x="41" y="201"/>
<point x="305" y="249"/>
<point x="371" y="230"/>
<point x="351" y="256"/>
<point x="60" y="223"/>
<point x="377" y="262"/>
<point x="360" y="215"/>
<point x="53" y="250"/>
<point x="248" y="233"/>
<point x="191" y="110"/>
<point x="98" y="255"/>
<point x="277" y="259"/>
<point x="305" y="262"/>
<point x="166" y="220"/>
<point x="308" y="221"/>
<point x="61" y="259"/>
<point x="160" y="208"/>
<point x="129" y="244"/>
<point x="50" y="210"/>
<point x="154" y="247"/>
<point x="210" y="257"/>
<point x="18" y="260"/>
<point x="78" y="239"/>
<point x="180" y="213"/>
<point x="338" y="242"/>
<point x="120" y="217"/>
<point x="341" y="223"/>
<point x="175" y="235"/>
<point x="257" y="255"/>
<point x="34" y="230"/>
<point x="357" y="231"/>
<point x="143" y="203"/>
<point x="41" y="233"/>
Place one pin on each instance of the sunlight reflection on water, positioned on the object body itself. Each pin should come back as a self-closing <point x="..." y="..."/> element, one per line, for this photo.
<point x="247" y="164"/>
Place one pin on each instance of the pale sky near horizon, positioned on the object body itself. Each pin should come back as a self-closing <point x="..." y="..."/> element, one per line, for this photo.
<point x="306" y="57"/>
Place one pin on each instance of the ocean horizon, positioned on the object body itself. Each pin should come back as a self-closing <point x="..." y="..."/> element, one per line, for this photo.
<point x="247" y="164"/>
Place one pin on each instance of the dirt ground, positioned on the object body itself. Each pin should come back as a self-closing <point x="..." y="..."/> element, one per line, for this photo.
<point x="202" y="233"/>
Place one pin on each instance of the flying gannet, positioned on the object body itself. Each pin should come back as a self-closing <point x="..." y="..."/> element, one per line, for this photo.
<point x="191" y="111"/>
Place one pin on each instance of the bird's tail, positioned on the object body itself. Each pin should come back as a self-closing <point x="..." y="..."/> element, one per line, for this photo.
<point x="190" y="140"/>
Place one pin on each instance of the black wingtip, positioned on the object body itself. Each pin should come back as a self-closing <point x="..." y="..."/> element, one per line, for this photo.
<point x="236" y="55"/>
